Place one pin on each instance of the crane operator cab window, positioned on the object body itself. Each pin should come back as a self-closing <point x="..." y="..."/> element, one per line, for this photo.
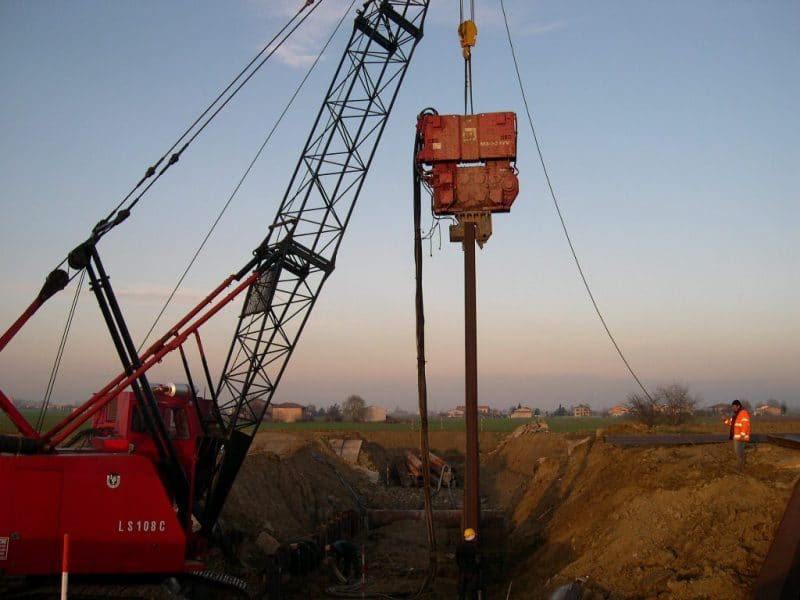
<point x="175" y="422"/>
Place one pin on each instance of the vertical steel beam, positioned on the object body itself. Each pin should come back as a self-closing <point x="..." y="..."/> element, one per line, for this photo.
<point x="472" y="496"/>
<point x="779" y="578"/>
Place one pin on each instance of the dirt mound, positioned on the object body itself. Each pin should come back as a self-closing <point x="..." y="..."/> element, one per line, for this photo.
<point x="667" y="522"/>
<point x="288" y="486"/>
<point x="659" y="522"/>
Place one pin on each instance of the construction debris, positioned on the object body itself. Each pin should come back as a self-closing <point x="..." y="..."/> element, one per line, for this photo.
<point x="410" y="472"/>
<point x="347" y="449"/>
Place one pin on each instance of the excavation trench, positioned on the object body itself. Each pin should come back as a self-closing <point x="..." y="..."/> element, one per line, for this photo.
<point x="653" y="522"/>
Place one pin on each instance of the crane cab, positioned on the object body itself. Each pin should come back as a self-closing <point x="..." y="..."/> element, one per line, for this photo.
<point x="120" y="425"/>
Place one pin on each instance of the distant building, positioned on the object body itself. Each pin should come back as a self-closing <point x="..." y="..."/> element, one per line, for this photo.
<point x="720" y="409"/>
<point x="522" y="412"/>
<point x="288" y="412"/>
<point x="456" y="413"/>
<point x="582" y="410"/>
<point x="765" y="410"/>
<point x="374" y="414"/>
<point x="618" y="411"/>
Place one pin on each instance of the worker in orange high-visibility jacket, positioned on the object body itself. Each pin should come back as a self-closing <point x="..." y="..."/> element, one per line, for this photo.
<point x="739" y="432"/>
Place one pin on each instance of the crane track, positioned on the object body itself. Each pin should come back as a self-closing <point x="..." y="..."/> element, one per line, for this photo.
<point x="204" y="584"/>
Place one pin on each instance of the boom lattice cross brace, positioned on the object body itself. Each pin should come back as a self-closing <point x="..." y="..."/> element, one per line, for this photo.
<point x="299" y="253"/>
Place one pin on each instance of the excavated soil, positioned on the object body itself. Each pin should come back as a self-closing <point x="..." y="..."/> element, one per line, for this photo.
<point x="658" y="522"/>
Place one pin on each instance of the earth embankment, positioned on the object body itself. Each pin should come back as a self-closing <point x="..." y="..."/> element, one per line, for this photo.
<point x="657" y="522"/>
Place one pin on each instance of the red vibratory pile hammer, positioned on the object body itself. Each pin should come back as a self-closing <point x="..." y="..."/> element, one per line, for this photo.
<point x="467" y="160"/>
<point x="471" y="170"/>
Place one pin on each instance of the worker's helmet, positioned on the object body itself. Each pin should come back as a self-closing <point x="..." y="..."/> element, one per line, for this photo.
<point x="469" y="534"/>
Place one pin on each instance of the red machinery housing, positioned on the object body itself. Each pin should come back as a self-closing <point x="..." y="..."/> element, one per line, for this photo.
<point x="450" y="141"/>
<point x="109" y="496"/>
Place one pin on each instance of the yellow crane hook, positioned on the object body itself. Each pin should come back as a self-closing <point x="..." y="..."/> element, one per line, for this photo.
<point x="467" y="31"/>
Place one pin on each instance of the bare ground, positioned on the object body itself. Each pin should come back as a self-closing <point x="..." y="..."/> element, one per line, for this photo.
<point x="663" y="522"/>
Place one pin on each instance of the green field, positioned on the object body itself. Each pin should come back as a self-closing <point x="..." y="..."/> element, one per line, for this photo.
<point x="556" y="424"/>
<point x="31" y="415"/>
<point x="699" y="424"/>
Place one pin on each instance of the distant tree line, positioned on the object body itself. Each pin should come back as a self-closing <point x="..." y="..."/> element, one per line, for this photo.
<point x="353" y="409"/>
<point x="669" y="404"/>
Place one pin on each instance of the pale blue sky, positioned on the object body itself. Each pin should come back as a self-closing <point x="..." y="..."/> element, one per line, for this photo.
<point x="669" y="128"/>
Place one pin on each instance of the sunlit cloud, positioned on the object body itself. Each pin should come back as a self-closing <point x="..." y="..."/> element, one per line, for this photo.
<point x="301" y="49"/>
<point x="545" y="28"/>
<point x="296" y="54"/>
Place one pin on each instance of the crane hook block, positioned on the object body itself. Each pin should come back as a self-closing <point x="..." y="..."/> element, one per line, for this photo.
<point x="468" y="32"/>
<point x="469" y="161"/>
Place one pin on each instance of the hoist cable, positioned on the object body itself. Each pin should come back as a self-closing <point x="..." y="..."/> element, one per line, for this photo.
<point x="174" y="157"/>
<point x="59" y="355"/>
<point x="468" y="105"/>
<point x="211" y="105"/>
<point x="246" y="174"/>
<point x="466" y="87"/>
<point x="466" y="31"/>
<point x="561" y="216"/>
<point x="469" y="74"/>
<point x="461" y="10"/>
<point x="119" y="214"/>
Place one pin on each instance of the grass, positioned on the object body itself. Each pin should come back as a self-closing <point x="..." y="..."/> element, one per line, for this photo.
<point x="52" y="418"/>
<point x="700" y="424"/>
<point x="502" y="425"/>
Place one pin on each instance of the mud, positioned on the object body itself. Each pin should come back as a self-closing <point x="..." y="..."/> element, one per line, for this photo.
<point x="663" y="522"/>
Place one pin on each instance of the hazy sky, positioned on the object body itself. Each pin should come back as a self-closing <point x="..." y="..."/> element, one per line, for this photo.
<point x="670" y="131"/>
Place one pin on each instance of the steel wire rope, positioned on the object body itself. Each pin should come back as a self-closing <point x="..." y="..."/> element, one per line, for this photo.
<point x="104" y="226"/>
<point x="118" y="214"/>
<point x="174" y="158"/>
<point x="59" y="355"/>
<point x="559" y="213"/>
<point x="151" y="170"/>
<point x="246" y="173"/>
<point x="469" y="107"/>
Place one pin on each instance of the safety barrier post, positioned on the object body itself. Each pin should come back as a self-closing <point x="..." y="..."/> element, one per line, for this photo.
<point x="65" y="567"/>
